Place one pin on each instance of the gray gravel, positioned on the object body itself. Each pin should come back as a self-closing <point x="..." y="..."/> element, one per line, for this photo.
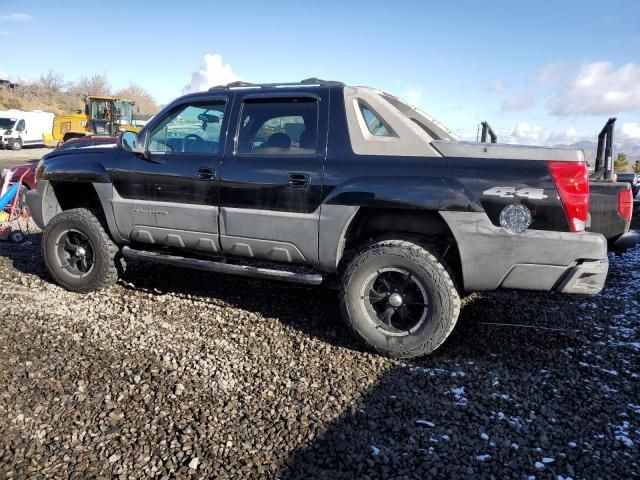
<point x="181" y="373"/>
<point x="9" y="158"/>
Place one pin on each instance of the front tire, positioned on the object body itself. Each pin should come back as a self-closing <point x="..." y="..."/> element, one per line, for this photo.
<point x="16" y="145"/>
<point x="78" y="253"/>
<point x="399" y="299"/>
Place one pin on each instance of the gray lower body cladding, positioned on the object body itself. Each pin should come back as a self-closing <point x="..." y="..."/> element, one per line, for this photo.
<point x="535" y="260"/>
<point x="36" y="205"/>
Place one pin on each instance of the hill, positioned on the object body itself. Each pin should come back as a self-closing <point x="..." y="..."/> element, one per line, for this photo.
<point x="51" y="93"/>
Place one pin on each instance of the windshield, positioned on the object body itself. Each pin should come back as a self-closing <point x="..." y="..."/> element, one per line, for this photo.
<point x="7" y="123"/>
<point x="99" y="109"/>
<point x="119" y="112"/>
<point x="123" y="112"/>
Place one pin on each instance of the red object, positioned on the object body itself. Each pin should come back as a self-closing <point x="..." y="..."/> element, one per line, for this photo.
<point x="572" y="182"/>
<point x="625" y="204"/>
<point x="29" y="180"/>
<point x="27" y="172"/>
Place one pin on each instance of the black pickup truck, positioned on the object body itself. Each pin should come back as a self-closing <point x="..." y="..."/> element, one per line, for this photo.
<point x="319" y="182"/>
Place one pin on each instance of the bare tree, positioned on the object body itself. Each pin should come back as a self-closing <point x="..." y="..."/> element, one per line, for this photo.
<point x="145" y="103"/>
<point x="52" y="81"/>
<point x="96" y="84"/>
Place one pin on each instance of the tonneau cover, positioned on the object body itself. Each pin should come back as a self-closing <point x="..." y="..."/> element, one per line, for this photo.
<point x="460" y="149"/>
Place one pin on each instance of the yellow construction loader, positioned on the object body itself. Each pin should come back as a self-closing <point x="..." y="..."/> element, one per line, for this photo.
<point x="102" y="116"/>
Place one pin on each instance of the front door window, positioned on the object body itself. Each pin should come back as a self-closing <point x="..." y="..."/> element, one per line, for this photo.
<point x="191" y="128"/>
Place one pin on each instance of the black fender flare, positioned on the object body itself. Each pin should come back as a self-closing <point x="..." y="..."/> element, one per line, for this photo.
<point x="341" y="205"/>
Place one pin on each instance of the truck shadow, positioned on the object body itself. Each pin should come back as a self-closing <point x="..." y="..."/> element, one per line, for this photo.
<point x="477" y="415"/>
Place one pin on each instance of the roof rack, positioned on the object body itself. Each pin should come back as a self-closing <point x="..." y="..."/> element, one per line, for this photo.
<point x="306" y="82"/>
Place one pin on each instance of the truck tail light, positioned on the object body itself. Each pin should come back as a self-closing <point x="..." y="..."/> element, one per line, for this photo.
<point x="572" y="182"/>
<point x="625" y="204"/>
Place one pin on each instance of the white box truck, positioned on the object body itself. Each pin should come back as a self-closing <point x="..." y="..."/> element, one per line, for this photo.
<point x="19" y="128"/>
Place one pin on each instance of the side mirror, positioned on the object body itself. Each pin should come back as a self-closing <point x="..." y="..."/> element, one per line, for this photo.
<point x="128" y="141"/>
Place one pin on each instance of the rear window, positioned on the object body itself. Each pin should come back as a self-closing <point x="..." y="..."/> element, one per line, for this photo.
<point x="374" y="123"/>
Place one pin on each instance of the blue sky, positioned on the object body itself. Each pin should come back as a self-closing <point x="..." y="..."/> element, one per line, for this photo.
<point x="539" y="71"/>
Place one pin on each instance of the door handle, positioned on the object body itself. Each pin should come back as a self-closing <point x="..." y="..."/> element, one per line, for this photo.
<point x="205" y="174"/>
<point x="298" y="180"/>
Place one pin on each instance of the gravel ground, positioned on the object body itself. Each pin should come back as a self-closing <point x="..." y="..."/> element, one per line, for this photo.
<point x="182" y="373"/>
<point x="9" y="158"/>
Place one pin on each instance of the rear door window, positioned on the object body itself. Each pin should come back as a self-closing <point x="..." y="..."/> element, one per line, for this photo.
<point x="278" y="126"/>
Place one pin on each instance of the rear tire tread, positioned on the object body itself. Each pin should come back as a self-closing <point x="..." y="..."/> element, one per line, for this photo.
<point x="418" y="254"/>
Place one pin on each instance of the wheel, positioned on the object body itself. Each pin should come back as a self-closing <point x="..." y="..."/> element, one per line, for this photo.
<point x="78" y="253"/>
<point x="16" y="236"/>
<point x="399" y="299"/>
<point x="15" y="144"/>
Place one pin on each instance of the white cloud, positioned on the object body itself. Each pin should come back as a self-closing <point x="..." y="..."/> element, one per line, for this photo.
<point x="414" y="95"/>
<point x="16" y="17"/>
<point x="526" y="134"/>
<point x="599" y="89"/>
<point x="519" y="102"/>
<point x="4" y="75"/>
<point x="494" y="86"/>
<point x="212" y="72"/>
<point x="552" y="73"/>
<point x="630" y="130"/>
<point x="569" y="136"/>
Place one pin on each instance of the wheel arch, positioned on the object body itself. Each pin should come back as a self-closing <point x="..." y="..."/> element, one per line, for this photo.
<point x="64" y="195"/>
<point x="367" y="224"/>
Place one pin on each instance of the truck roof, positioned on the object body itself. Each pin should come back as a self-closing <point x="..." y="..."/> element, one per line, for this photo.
<point x="106" y="97"/>
<point x="390" y="105"/>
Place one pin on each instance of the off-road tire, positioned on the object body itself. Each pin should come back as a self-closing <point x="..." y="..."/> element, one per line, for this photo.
<point x="106" y="254"/>
<point x="425" y="268"/>
<point x="15" y="145"/>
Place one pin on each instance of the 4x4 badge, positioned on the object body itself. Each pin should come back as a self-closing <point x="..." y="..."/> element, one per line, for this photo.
<point x="511" y="192"/>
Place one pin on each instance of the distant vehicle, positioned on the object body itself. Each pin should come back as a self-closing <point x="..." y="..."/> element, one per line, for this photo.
<point x="94" y="141"/>
<point x="611" y="206"/>
<point x="19" y="128"/>
<point x="632" y="179"/>
<point x="101" y="116"/>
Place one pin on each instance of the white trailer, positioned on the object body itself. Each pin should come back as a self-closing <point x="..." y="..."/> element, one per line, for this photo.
<point x="19" y="128"/>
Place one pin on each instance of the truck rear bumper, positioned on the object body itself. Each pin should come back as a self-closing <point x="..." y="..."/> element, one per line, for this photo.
<point x="585" y="278"/>
<point x="492" y="258"/>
